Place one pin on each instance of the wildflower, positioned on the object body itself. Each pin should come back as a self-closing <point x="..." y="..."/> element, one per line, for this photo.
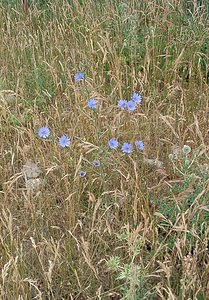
<point x="186" y="149"/>
<point x="131" y="105"/>
<point x="187" y="163"/>
<point x="82" y="173"/>
<point x="44" y="132"/>
<point x="136" y="97"/>
<point x="139" y="145"/>
<point x="92" y="103"/>
<point x="126" y="148"/>
<point x="96" y="163"/>
<point x="64" y="141"/>
<point x="122" y="104"/>
<point x="113" y="143"/>
<point x="79" y="76"/>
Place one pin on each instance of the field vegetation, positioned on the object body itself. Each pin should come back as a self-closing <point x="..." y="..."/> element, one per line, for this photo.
<point x="103" y="199"/>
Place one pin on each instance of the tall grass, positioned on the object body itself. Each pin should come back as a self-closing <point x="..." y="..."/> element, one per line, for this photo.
<point x="137" y="226"/>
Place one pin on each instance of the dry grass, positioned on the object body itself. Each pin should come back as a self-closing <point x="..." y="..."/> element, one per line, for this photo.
<point x="56" y="242"/>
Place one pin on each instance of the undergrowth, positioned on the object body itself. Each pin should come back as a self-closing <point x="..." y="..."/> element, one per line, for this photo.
<point x="102" y="199"/>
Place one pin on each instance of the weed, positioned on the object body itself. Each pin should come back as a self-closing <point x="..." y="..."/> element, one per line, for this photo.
<point x="94" y="96"/>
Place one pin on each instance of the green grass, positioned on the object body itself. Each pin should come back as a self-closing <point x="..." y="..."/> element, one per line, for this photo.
<point x="130" y="226"/>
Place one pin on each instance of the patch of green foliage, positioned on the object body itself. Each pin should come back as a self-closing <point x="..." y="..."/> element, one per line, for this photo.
<point x="187" y="205"/>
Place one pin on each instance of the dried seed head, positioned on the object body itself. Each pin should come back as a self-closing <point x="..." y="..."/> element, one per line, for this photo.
<point x="30" y="170"/>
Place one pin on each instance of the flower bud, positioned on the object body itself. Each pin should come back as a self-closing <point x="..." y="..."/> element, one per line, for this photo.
<point x="186" y="149"/>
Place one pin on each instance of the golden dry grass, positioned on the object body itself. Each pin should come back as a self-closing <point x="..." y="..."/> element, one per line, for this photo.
<point x="56" y="242"/>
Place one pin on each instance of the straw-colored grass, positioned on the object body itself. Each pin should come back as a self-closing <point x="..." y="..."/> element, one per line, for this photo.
<point x="137" y="226"/>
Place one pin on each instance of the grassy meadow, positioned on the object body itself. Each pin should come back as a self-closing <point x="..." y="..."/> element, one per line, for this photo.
<point x="82" y="220"/>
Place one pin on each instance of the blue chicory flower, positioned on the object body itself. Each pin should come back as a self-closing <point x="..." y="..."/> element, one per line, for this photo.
<point x="82" y="173"/>
<point x="139" y="145"/>
<point x="96" y="163"/>
<point x="44" y="132"/>
<point x="136" y="97"/>
<point x="92" y="103"/>
<point x="113" y="143"/>
<point x="64" y="141"/>
<point x="131" y="105"/>
<point x="126" y="148"/>
<point x="79" y="76"/>
<point x="122" y="104"/>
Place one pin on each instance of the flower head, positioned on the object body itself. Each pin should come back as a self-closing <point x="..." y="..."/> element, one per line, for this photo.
<point x="126" y="148"/>
<point x="186" y="149"/>
<point x="136" y="97"/>
<point x="122" y="104"/>
<point x="113" y="143"/>
<point x="92" y="103"/>
<point x="139" y="145"/>
<point x="131" y="105"/>
<point x="79" y="76"/>
<point x="44" y="132"/>
<point x="64" y="141"/>
<point x="96" y="163"/>
<point x="82" y="173"/>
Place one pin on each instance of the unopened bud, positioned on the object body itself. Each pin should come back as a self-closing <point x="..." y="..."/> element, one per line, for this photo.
<point x="186" y="149"/>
